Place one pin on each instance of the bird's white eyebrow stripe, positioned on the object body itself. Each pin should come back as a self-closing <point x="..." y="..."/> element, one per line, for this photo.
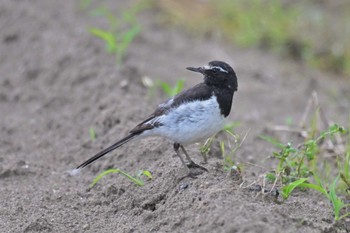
<point x="216" y="67"/>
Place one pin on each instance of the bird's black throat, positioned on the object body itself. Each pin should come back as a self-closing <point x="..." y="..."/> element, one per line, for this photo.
<point x="224" y="98"/>
<point x="222" y="84"/>
<point x="219" y="80"/>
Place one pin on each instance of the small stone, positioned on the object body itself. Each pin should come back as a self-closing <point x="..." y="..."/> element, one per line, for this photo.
<point x="183" y="186"/>
<point x="124" y="83"/>
<point x="86" y="227"/>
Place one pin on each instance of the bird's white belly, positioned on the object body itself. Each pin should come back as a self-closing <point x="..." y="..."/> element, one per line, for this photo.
<point x="191" y="122"/>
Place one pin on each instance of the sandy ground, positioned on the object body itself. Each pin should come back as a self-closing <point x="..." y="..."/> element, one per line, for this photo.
<point x="57" y="81"/>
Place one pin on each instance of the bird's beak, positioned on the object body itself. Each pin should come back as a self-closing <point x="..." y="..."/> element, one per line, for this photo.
<point x="194" y="69"/>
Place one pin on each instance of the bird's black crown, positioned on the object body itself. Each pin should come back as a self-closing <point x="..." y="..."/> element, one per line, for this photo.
<point x="218" y="73"/>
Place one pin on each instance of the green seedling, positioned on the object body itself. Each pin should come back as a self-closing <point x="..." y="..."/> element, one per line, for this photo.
<point x="228" y="129"/>
<point x="117" y="42"/>
<point x="337" y="203"/>
<point x="171" y="91"/>
<point x="165" y="87"/>
<point x="228" y="162"/>
<point x="92" y="134"/>
<point x="145" y="173"/>
<point x="136" y="180"/>
<point x="289" y="164"/>
<point x="107" y="36"/>
<point x="295" y="163"/>
<point x="121" y="30"/>
<point x="206" y="147"/>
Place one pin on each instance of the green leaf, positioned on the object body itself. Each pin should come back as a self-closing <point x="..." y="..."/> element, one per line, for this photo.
<point x="287" y="189"/>
<point x="273" y="141"/>
<point x="230" y="126"/>
<point x="166" y="88"/>
<point x="94" y="182"/>
<point x="205" y="148"/>
<point x="178" y="87"/>
<point x="316" y="187"/>
<point x="222" y="148"/>
<point x="107" y="36"/>
<point x="133" y="179"/>
<point x="125" y="39"/>
<point x="337" y="203"/>
<point x="145" y="173"/>
<point x="271" y="176"/>
<point x="92" y="134"/>
<point x="139" y="182"/>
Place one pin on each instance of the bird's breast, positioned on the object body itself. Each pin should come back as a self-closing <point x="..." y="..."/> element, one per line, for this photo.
<point x="191" y="122"/>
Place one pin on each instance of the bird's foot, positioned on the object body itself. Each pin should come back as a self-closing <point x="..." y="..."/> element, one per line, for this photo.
<point x="190" y="174"/>
<point x="192" y="164"/>
<point x="193" y="170"/>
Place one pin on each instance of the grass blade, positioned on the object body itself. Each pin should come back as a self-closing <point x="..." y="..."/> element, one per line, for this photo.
<point x="316" y="187"/>
<point x="107" y="36"/>
<point x="92" y="134"/>
<point x="288" y="189"/>
<point x="178" y="87"/>
<point x="138" y="182"/>
<point x="145" y="173"/>
<point x="273" y="141"/>
<point x="94" y="182"/>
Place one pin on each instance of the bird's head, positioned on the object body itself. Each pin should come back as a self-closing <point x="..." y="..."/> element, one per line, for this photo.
<point x="218" y="73"/>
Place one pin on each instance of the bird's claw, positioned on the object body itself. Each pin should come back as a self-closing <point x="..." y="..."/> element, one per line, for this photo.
<point x="190" y="174"/>
<point x="194" y="165"/>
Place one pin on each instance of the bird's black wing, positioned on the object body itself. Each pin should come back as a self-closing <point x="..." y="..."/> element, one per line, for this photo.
<point x="198" y="92"/>
<point x="148" y="124"/>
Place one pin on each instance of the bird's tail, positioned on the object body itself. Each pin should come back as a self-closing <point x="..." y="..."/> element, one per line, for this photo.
<point x="107" y="150"/>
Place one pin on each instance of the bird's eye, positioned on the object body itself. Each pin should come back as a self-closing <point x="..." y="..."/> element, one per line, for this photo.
<point x="215" y="70"/>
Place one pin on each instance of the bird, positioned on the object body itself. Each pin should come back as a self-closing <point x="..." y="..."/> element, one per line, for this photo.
<point x="191" y="116"/>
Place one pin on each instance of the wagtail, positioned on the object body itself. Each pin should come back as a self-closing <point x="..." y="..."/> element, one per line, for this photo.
<point x="190" y="116"/>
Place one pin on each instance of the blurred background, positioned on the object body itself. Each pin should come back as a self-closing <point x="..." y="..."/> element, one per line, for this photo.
<point x="315" y="32"/>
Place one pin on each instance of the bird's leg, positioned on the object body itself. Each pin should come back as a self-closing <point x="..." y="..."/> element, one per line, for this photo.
<point x="191" y="164"/>
<point x="176" y="148"/>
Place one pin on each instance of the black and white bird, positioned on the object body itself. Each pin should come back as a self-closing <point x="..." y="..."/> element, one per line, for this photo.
<point x="190" y="116"/>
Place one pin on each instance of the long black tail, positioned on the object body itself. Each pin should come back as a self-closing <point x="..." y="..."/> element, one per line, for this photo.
<point x="107" y="150"/>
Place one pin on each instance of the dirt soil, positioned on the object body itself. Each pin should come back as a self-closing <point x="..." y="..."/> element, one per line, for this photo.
<point x="57" y="81"/>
